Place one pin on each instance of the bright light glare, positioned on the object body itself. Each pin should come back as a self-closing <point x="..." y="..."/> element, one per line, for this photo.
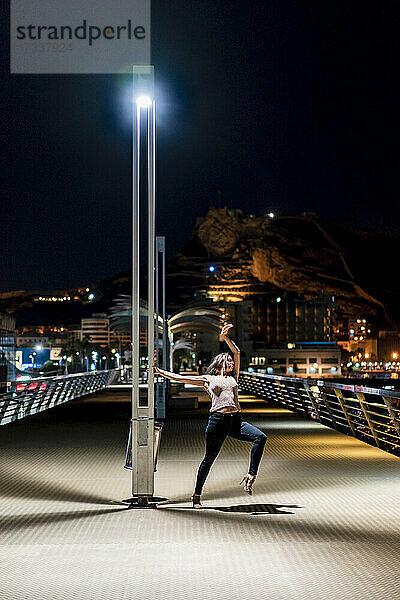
<point x="143" y="102"/>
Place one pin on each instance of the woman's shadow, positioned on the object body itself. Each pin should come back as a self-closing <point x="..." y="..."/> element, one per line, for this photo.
<point x="251" y="509"/>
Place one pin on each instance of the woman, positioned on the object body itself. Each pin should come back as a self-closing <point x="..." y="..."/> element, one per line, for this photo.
<point x="220" y="381"/>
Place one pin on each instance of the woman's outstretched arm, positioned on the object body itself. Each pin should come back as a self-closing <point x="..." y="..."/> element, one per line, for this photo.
<point x="232" y="346"/>
<point x="193" y="379"/>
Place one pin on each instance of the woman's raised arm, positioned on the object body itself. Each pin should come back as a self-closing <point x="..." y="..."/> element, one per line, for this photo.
<point x="232" y="346"/>
<point x="193" y="379"/>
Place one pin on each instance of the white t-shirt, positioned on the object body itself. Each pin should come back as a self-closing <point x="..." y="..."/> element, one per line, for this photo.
<point x="223" y="391"/>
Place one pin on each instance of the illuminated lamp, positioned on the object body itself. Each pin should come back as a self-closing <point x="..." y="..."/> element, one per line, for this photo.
<point x="143" y="102"/>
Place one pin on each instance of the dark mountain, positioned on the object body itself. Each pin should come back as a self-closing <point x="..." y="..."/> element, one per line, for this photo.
<point x="292" y="254"/>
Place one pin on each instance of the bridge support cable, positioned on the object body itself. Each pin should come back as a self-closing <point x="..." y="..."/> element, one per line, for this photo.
<point x="339" y="395"/>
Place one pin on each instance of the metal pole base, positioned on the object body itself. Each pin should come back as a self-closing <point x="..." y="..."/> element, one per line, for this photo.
<point x="143" y="501"/>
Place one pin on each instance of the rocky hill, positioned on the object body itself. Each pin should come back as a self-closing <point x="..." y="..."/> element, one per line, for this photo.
<point x="297" y="254"/>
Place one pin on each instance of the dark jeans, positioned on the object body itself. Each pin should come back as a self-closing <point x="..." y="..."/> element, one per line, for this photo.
<point x="219" y="426"/>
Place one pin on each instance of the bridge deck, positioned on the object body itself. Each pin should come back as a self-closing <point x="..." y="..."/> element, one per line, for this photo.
<point x="323" y="521"/>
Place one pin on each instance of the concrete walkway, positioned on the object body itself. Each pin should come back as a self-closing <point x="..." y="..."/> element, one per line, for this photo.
<point x="323" y="522"/>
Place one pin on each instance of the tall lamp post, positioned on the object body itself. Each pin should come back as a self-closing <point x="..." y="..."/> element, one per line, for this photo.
<point x="144" y="134"/>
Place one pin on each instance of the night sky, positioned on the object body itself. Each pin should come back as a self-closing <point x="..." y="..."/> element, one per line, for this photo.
<point x="278" y="105"/>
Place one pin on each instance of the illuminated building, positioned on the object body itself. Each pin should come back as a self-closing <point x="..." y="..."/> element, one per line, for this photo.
<point x="312" y="359"/>
<point x="7" y="350"/>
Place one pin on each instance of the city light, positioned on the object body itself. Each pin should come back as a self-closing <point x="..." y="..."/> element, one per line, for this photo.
<point x="395" y="355"/>
<point x="38" y="347"/>
<point x="278" y="299"/>
<point x="52" y="299"/>
<point x="271" y="215"/>
<point x="212" y="268"/>
<point x="91" y="296"/>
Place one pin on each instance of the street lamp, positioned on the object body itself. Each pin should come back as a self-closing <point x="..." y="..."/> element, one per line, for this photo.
<point x="143" y="102"/>
<point x="32" y="357"/>
<point x="144" y="111"/>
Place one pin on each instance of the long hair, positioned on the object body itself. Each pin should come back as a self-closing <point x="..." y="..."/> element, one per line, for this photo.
<point x="215" y="367"/>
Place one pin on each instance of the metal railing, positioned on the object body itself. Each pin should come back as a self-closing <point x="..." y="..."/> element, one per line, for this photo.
<point x="369" y="414"/>
<point x="24" y="398"/>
